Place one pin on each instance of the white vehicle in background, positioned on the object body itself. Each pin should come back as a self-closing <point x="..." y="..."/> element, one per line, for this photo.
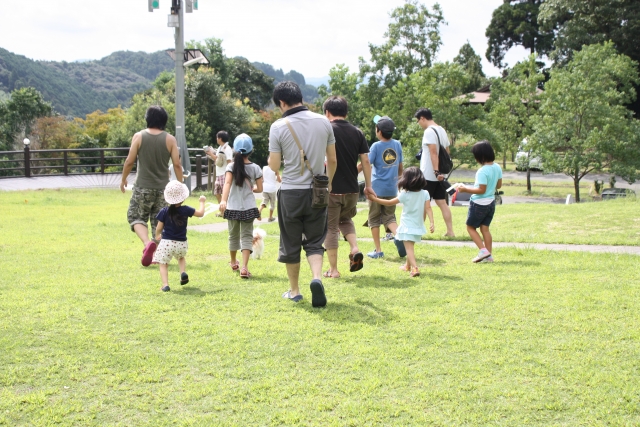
<point x="522" y="158"/>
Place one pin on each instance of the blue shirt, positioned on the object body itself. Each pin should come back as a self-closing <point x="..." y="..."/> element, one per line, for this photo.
<point x="175" y="230"/>
<point x="412" y="218"/>
<point x="487" y="175"/>
<point x="385" y="158"/>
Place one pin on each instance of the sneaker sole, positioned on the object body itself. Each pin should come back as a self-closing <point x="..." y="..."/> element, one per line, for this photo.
<point x="480" y="258"/>
<point x="318" y="298"/>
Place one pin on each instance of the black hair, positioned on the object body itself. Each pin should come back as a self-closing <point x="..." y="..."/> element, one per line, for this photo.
<point x="176" y="218"/>
<point x="336" y="105"/>
<point x="385" y="135"/>
<point x="223" y="136"/>
<point x="156" y="117"/>
<point x="287" y="92"/>
<point x="483" y="152"/>
<point x="412" y="179"/>
<point x="239" y="172"/>
<point x="423" y="112"/>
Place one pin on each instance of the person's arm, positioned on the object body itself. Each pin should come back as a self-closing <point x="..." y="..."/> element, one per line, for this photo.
<point x="131" y="159"/>
<point x="433" y="154"/>
<point x="159" y="229"/>
<point x="332" y="163"/>
<point x="278" y="177"/>
<point x="172" y="144"/>
<point x="365" y="167"/>
<point x="473" y="190"/>
<point x="200" y="212"/>
<point x="225" y="191"/>
<point x="499" y="184"/>
<point x="275" y="160"/>
<point x="385" y="202"/>
<point x="428" y="212"/>
<point x="258" y="188"/>
<point x="400" y="169"/>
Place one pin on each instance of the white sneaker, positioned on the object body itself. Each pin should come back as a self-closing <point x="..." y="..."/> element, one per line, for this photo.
<point x="484" y="253"/>
<point x="489" y="259"/>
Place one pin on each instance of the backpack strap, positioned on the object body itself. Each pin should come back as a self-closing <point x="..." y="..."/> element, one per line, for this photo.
<point x="437" y="136"/>
<point x="303" y="157"/>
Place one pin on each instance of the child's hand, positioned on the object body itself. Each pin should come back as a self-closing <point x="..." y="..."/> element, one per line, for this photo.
<point x="223" y="206"/>
<point x="202" y="199"/>
<point x="432" y="228"/>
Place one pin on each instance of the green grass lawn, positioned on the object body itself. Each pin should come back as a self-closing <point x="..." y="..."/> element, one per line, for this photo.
<point x="87" y="338"/>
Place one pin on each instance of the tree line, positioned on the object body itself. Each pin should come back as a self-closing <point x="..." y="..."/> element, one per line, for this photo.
<point x="577" y="114"/>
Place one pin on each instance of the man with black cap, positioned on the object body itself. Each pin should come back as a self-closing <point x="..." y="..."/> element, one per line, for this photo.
<point x="385" y="157"/>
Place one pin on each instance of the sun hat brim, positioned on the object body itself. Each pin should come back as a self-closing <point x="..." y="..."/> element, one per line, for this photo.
<point x="175" y="192"/>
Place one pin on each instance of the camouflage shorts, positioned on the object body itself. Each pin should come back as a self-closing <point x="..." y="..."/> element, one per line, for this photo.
<point x="144" y="206"/>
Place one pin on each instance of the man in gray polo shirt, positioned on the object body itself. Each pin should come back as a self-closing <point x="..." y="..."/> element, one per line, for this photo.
<point x="301" y="226"/>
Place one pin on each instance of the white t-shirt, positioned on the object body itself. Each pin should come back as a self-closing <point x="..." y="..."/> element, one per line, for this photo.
<point x="269" y="183"/>
<point x="228" y="151"/>
<point x="430" y="138"/>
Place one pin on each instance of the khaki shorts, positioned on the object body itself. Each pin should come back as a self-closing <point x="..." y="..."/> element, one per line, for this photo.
<point x="341" y="210"/>
<point x="269" y="198"/>
<point x="380" y="214"/>
<point x="144" y="206"/>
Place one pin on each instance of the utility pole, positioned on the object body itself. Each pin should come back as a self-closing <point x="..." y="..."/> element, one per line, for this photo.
<point x="176" y="20"/>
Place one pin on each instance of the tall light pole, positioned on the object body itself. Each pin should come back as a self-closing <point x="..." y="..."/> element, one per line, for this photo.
<point x="176" y="20"/>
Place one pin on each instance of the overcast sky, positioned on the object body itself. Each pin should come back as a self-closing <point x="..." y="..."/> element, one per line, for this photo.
<point x="309" y="36"/>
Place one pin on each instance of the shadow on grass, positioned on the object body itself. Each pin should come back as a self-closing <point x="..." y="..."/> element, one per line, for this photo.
<point x="442" y="277"/>
<point x="195" y="292"/>
<point x="357" y="312"/>
<point x="384" y="282"/>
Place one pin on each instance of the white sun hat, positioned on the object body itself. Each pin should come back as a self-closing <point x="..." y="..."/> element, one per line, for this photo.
<point x="175" y="192"/>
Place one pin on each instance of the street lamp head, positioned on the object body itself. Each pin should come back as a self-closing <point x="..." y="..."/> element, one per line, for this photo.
<point x="26" y="141"/>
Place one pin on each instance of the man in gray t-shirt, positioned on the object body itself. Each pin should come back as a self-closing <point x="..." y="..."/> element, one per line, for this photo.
<point x="301" y="226"/>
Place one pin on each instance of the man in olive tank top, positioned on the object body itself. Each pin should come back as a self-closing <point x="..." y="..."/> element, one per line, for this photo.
<point x="152" y="149"/>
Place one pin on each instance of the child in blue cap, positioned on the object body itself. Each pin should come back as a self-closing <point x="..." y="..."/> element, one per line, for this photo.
<point x="238" y="204"/>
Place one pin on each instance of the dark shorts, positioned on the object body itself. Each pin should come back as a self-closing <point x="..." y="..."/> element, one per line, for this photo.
<point x="436" y="190"/>
<point x="301" y="226"/>
<point x="480" y="215"/>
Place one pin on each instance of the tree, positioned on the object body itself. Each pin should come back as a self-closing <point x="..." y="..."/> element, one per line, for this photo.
<point x="96" y="125"/>
<point x="516" y="22"/>
<point x="513" y="106"/>
<point x="472" y="63"/>
<point x="412" y="41"/>
<point x="19" y="114"/>
<point x="584" y="125"/>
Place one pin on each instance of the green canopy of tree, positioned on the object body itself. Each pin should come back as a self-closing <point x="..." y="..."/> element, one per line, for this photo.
<point x="515" y="22"/>
<point x="472" y="63"/>
<point x="584" y="125"/>
<point x="18" y="115"/>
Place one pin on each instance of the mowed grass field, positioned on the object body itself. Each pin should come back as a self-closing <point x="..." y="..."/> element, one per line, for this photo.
<point x="537" y="338"/>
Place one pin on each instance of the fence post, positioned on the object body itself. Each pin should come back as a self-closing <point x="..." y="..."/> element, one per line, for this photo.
<point x="209" y="167"/>
<point x="198" y="171"/>
<point x="65" y="163"/>
<point x="27" y="161"/>
<point x="102" y="161"/>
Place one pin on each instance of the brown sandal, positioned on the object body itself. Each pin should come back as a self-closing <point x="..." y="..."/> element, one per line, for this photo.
<point x="355" y="261"/>
<point x="236" y="266"/>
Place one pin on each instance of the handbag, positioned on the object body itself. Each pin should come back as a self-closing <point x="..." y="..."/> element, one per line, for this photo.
<point x="320" y="183"/>
<point x="221" y="159"/>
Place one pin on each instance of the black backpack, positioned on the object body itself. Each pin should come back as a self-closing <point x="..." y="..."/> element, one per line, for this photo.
<point x="445" y="164"/>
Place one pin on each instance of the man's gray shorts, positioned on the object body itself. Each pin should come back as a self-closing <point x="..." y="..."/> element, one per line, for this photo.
<point x="297" y="219"/>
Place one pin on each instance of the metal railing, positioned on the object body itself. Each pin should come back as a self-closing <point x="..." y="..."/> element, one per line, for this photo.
<point x="84" y="161"/>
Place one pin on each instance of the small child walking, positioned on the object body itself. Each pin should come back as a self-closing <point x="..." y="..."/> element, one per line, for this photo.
<point x="172" y="231"/>
<point x="482" y="205"/>
<point x="416" y="207"/>
<point x="238" y="204"/>
<point x="269" y="190"/>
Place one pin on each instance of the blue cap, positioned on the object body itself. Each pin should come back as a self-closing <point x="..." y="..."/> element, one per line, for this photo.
<point x="243" y="144"/>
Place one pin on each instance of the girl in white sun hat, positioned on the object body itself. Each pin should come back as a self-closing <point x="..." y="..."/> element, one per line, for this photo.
<point x="172" y="228"/>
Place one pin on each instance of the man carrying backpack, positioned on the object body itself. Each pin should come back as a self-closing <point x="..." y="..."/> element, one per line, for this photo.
<point x="434" y="139"/>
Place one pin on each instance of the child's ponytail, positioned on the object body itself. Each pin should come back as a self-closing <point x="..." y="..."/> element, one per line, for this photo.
<point x="175" y="217"/>
<point x="239" y="172"/>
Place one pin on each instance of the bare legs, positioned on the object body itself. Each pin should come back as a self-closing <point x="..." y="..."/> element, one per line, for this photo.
<point x="142" y="232"/>
<point x="486" y="235"/>
<point x="246" y="253"/>
<point x="293" y="272"/>
<point x="332" y="254"/>
<point x="446" y="215"/>
<point x="375" y="233"/>
<point x="164" y="271"/>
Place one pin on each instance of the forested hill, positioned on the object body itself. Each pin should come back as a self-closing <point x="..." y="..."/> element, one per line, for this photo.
<point x="79" y="88"/>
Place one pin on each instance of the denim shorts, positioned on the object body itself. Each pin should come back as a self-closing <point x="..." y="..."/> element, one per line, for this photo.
<point x="480" y="215"/>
